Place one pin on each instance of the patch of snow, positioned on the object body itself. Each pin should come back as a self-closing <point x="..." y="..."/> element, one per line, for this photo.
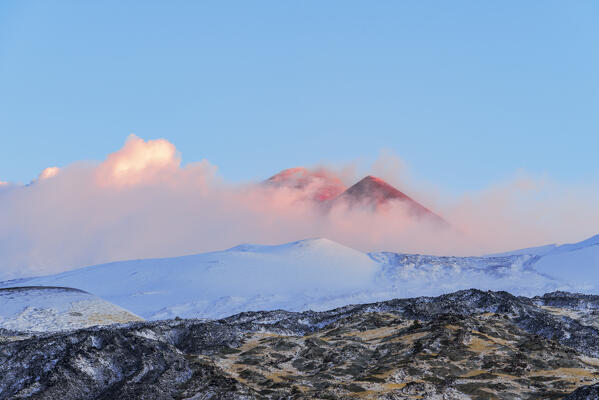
<point x="46" y="309"/>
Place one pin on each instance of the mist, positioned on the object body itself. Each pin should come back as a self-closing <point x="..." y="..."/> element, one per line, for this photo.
<point x="141" y="202"/>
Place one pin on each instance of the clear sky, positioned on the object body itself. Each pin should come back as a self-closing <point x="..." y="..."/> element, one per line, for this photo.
<point x="466" y="92"/>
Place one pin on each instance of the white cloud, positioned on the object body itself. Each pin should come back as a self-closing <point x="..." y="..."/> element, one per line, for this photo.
<point x="48" y="173"/>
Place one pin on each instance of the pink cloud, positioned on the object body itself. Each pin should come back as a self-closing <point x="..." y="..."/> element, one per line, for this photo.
<point x="48" y="173"/>
<point x="142" y="202"/>
<point x="138" y="161"/>
<point x="317" y="184"/>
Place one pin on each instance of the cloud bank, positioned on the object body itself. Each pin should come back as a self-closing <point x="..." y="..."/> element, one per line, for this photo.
<point x="142" y="202"/>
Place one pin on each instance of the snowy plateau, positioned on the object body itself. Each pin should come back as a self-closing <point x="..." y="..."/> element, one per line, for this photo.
<point x="315" y="274"/>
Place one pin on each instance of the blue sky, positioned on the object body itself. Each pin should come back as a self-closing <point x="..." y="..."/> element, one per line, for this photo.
<point x="466" y="92"/>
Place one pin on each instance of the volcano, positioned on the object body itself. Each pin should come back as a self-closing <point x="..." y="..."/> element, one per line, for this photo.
<point x="319" y="185"/>
<point x="376" y="193"/>
<point x="326" y="188"/>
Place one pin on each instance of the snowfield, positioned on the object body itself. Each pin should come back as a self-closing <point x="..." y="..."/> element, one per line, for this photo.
<point x="49" y="309"/>
<point x="319" y="274"/>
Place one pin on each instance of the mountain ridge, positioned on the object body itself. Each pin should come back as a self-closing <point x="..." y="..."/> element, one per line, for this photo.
<point x="316" y="274"/>
<point x="470" y="344"/>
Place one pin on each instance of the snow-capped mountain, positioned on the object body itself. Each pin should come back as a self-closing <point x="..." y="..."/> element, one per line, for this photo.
<point x="221" y="283"/>
<point x="317" y="274"/>
<point x="576" y="263"/>
<point x="48" y="309"/>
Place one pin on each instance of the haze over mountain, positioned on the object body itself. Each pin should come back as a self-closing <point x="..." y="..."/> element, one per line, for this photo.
<point x="320" y="184"/>
<point x="143" y="202"/>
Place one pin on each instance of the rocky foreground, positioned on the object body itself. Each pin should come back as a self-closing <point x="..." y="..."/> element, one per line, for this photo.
<point x="465" y="345"/>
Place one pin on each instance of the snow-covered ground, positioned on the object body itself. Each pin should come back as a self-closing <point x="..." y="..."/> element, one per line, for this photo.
<point x="319" y="274"/>
<point x="48" y="309"/>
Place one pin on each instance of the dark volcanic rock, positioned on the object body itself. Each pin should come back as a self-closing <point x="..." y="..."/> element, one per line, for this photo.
<point x="139" y="361"/>
<point x="574" y="301"/>
<point x="590" y="392"/>
<point x="468" y="344"/>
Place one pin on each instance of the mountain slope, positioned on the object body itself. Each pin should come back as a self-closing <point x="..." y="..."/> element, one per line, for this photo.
<point x="576" y="263"/>
<point x="375" y="193"/>
<point x="247" y="277"/>
<point x="47" y="309"/>
<point x="315" y="274"/>
<point x="552" y="249"/>
<point x="465" y="345"/>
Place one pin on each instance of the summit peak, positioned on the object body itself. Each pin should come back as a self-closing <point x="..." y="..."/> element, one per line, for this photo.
<point x="376" y="192"/>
